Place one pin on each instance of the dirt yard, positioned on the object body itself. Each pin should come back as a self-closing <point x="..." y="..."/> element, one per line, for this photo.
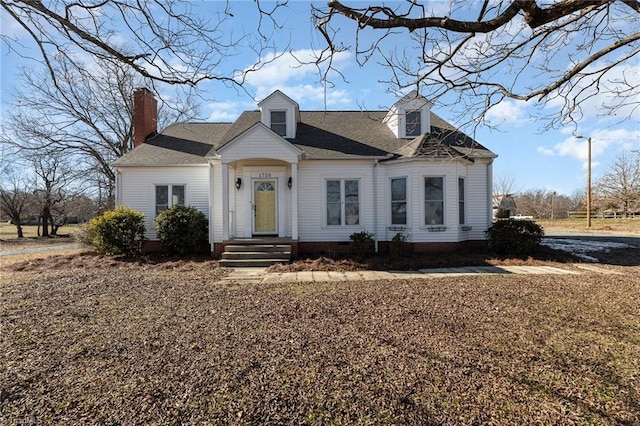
<point x="86" y="339"/>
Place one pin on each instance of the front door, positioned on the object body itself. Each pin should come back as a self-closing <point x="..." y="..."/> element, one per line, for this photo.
<point x="264" y="204"/>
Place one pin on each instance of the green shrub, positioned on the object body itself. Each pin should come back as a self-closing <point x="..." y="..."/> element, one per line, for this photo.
<point x="182" y="229"/>
<point x="119" y="231"/>
<point x="362" y="245"/>
<point x="519" y="237"/>
<point x="399" y="248"/>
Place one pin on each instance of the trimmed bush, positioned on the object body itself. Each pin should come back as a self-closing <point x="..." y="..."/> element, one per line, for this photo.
<point x="119" y="231"/>
<point x="519" y="237"/>
<point x="362" y="245"/>
<point x="182" y="229"/>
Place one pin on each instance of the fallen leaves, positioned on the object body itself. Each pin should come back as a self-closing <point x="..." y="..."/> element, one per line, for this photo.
<point x="100" y="340"/>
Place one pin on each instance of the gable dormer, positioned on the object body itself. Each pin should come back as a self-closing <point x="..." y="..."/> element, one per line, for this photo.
<point x="280" y="113"/>
<point x="410" y="117"/>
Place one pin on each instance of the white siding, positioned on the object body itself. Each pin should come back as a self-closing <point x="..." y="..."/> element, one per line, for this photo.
<point x="259" y="142"/>
<point x="476" y="215"/>
<point x="138" y="189"/>
<point x="478" y="199"/>
<point x="216" y="207"/>
<point x="312" y="177"/>
<point x="278" y="102"/>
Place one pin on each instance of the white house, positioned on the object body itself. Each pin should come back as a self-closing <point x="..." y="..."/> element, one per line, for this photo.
<point x="314" y="177"/>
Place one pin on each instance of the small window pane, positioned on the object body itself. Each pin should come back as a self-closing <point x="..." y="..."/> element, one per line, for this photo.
<point x="352" y="213"/>
<point x="398" y="189"/>
<point x="433" y="201"/>
<point x="279" y="122"/>
<point x="333" y="214"/>
<point x="265" y="187"/>
<point x="433" y="188"/>
<point x="162" y="198"/>
<point x="351" y="191"/>
<point x="461" y="201"/>
<point x="399" y="201"/>
<point x="351" y="203"/>
<point x="334" y="206"/>
<point x="177" y="198"/>
<point x="433" y="213"/>
<point x="413" y="125"/>
<point x="333" y="191"/>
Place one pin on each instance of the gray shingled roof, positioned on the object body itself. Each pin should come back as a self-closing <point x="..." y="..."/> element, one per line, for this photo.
<point x="178" y="144"/>
<point x="320" y="134"/>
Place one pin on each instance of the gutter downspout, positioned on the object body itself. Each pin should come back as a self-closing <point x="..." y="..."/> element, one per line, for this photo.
<point x="118" y="189"/>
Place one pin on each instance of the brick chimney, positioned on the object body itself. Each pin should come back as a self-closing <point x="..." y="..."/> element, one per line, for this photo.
<point x="145" y="115"/>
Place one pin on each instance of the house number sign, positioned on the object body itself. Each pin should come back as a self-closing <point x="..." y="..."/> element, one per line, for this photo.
<point x="264" y="175"/>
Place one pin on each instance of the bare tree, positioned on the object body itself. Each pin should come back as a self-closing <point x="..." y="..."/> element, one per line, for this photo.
<point x="504" y="185"/>
<point x="166" y="40"/>
<point x="619" y="187"/>
<point x="15" y="198"/>
<point x="561" y="52"/>
<point x="87" y="115"/>
<point x="52" y="178"/>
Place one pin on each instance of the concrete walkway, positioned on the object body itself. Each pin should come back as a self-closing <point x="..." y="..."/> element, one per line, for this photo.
<point x="260" y="275"/>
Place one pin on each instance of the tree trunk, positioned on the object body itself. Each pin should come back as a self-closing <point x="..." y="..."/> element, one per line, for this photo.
<point x="19" y="228"/>
<point x="45" y="222"/>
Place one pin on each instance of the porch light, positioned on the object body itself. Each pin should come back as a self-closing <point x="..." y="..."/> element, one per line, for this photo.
<point x="290" y="182"/>
<point x="238" y="184"/>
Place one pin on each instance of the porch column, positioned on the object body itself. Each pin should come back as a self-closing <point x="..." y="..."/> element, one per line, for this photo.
<point x="225" y="201"/>
<point x="294" y="201"/>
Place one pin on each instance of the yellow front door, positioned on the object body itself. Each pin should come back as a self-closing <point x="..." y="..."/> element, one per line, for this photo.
<point x="264" y="198"/>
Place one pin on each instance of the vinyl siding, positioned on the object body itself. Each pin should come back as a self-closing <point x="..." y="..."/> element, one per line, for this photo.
<point x="478" y="195"/>
<point x="137" y="189"/>
<point x="415" y="171"/>
<point x="312" y="176"/>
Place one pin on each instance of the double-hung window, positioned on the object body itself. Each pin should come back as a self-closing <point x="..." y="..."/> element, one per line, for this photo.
<point x="399" y="201"/>
<point x="434" y="201"/>
<point x="279" y="122"/>
<point x="461" y="218"/>
<point x="343" y="202"/>
<point x="413" y="125"/>
<point x="168" y="196"/>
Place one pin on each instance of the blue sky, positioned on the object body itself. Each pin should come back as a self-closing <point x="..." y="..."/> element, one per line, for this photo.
<point x="534" y="159"/>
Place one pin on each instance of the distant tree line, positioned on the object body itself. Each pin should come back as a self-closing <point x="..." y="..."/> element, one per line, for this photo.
<point x="615" y="193"/>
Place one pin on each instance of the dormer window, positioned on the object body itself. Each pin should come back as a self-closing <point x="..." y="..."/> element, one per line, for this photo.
<point x="410" y="117"/>
<point x="413" y="124"/>
<point x="279" y="122"/>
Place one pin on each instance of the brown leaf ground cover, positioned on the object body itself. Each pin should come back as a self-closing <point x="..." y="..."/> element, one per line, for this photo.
<point x="96" y="340"/>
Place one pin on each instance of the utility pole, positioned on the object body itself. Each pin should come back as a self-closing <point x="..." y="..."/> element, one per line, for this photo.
<point x="588" y="178"/>
<point x="589" y="183"/>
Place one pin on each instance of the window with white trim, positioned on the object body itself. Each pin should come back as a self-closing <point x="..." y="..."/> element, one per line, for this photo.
<point x="433" y="201"/>
<point x="461" y="216"/>
<point x="413" y="124"/>
<point x="168" y="196"/>
<point x="343" y="202"/>
<point x="399" y="201"/>
<point x="279" y="122"/>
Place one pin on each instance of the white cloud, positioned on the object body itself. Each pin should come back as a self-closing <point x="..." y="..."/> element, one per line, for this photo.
<point x="602" y="141"/>
<point x="508" y="112"/>
<point x="224" y="111"/>
<point x="292" y="72"/>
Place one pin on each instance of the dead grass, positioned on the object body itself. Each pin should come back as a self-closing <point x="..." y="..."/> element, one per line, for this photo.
<point x="96" y="340"/>
<point x="621" y="226"/>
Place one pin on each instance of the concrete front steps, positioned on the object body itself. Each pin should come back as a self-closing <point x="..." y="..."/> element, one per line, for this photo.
<point x="258" y="253"/>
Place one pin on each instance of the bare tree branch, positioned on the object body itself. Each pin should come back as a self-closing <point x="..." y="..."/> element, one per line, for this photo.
<point x="166" y="40"/>
<point x="559" y="52"/>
